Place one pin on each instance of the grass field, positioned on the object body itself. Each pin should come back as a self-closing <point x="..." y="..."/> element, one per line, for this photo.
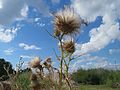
<point x="24" y="82"/>
<point x="95" y="87"/>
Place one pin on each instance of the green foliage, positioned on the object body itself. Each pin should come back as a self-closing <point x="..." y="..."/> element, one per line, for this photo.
<point x="96" y="76"/>
<point x="3" y="72"/>
<point x="95" y="87"/>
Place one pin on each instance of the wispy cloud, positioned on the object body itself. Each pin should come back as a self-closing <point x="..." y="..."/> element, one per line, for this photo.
<point x="28" y="47"/>
<point x="113" y="51"/>
<point x="37" y="19"/>
<point x="88" y="61"/>
<point x="11" y="10"/>
<point x="40" y="6"/>
<point x="41" y="24"/>
<point x="26" y="56"/>
<point x="109" y="29"/>
<point x="9" y="51"/>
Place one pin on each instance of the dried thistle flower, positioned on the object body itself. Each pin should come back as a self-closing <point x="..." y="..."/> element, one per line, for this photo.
<point x="35" y="62"/>
<point x="69" y="46"/>
<point x="67" y="21"/>
<point x="48" y="62"/>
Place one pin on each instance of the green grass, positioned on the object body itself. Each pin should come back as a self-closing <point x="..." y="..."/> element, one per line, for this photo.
<point x="24" y="82"/>
<point x="95" y="87"/>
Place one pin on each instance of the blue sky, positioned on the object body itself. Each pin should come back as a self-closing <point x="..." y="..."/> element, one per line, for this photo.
<point x="22" y="31"/>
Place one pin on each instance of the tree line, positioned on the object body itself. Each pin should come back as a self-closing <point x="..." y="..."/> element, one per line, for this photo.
<point x="96" y="76"/>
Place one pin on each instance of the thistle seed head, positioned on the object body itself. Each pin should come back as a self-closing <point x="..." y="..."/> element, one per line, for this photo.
<point x="48" y="62"/>
<point x="35" y="62"/>
<point x="67" y="21"/>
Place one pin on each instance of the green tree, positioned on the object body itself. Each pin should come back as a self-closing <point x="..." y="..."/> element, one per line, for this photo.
<point x="5" y="65"/>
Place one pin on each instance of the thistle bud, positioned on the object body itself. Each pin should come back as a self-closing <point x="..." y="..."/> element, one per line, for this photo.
<point x="69" y="46"/>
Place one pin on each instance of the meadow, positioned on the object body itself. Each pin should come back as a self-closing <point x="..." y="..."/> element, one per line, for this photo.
<point x="96" y="87"/>
<point x="24" y="81"/>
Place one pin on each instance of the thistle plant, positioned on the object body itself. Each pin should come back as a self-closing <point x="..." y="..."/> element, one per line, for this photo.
<point x="67" y="23"/>
<point x="40" y="77"/>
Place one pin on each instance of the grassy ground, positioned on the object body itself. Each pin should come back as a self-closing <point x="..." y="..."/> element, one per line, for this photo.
<point x="95" y="87"/>
<point x="24" y="82"/>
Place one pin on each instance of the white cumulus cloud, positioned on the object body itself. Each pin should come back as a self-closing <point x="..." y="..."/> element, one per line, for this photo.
<point x="108" y="31"/>
<point x="16" y="10"/>
<point x="8" y="34"/>
<point x="90" y="9"/>
<point x="28" y="47"/>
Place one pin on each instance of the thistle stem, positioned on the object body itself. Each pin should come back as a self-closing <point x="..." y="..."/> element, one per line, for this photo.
<point x="67" y="69"/>
<point x="61" y="64"/>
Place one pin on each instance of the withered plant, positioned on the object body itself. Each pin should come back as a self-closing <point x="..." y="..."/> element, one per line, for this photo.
<point x="66" y="23"/>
